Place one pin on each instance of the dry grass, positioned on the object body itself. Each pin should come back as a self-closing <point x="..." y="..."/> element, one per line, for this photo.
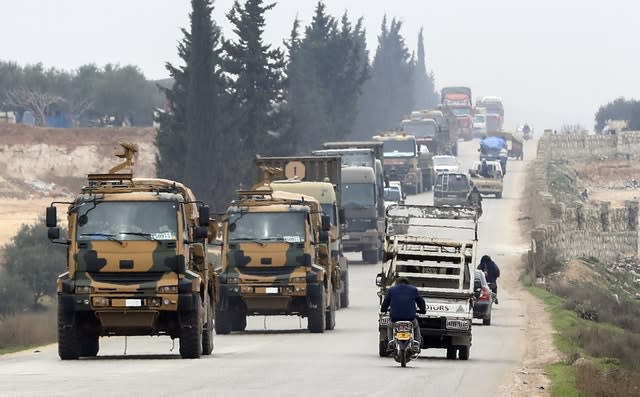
<point x="594" y="381"/>
<point x="623" y="346"/>
<point x="28" y="329"/>
<point x="605" y="173"/>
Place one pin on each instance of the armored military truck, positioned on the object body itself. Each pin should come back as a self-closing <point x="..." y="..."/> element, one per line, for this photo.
<point x="274" y="254"/>
<point x="137" y="264"/>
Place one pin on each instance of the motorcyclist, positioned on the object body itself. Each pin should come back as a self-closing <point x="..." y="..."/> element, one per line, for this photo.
<point x="402" y="298"/>
<point x="526" y="129"/>
<point x="492" y="272"/>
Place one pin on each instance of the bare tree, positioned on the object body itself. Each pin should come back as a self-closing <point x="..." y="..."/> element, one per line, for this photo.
<point x="37" y="102"/>
<point x="78" y="107"/>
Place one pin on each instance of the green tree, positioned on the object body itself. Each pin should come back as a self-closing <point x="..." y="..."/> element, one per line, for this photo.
<point x="388" y="95"/>
<point x="619" y="109"/>
<point x="326" y="71"/>
<point x="424" y="96"/>
<point x="256" y="79"/>
<point x="32" y="260"/>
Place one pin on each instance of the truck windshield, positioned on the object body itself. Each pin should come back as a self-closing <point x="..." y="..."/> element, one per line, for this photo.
<point x="128" y="220"/>
<point x="461" y="111"/>
<point x="357" y="159"/>
<point x="267" y="226"/>
<point x="419" y="128"/>
<point x="444" y="160"/>
<point x="391" y="194"/>
<point x="358" y="194"/>
<point x="403" y="148"/>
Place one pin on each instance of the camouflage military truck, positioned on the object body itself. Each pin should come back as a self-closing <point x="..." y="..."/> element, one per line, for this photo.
<point x="401" y="160"/>
<point x="136" y="264"/>
<point x="319" y="177"/>
<point x="274" y="256"/>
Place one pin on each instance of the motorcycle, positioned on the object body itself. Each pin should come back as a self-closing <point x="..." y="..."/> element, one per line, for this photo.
<point x="405" y="347"/>
<point x="494" y="292"/>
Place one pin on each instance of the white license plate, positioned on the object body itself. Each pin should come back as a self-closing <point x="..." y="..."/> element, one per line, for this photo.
<point x="271" y="290"/>
<point x="456" y="324"/>
<point x="384" y="321"/>
<point x="133" y="302"/>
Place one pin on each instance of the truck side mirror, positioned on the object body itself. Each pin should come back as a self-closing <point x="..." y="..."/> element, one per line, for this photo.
<point x="51" y="216"/>
<point x="203" y="215"/>
<point x="379" y="278"/>
<point x="53" y="233"/>
<point x="201" y="232"/>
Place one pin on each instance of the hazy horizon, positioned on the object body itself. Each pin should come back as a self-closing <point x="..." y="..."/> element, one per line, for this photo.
<point x="552" y="62"/>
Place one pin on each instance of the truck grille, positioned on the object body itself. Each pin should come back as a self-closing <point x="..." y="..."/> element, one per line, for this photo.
<point x="126" y="278"/>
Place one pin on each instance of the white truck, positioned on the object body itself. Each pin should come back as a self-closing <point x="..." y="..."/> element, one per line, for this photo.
<point x="421" y="247"/>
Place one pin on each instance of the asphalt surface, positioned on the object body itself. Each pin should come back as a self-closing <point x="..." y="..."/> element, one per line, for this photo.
<point x="277" y="356"/>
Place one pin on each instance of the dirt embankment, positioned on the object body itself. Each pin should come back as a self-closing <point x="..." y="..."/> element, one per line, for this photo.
<point x="38" y="165"/>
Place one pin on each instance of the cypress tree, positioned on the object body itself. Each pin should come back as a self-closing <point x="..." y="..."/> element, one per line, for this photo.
<point x="425" y="96"/>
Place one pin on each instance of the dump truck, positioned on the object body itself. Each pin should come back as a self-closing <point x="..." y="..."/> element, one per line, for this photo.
<point x="275" y="252"/>
<point x="137" y="263"/>
<point x="319" y="177"/>
<point x="401" y="157"/>
<point x="420" y="247"/>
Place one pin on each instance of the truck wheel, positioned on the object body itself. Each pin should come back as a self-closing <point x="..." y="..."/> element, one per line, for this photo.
<point x="317" y="317"/>
<point x="487" y="321"/>
<point x="223" y="321"/>
<point x="207" y="333"/>
<point x="344" y="297"/>
<point x="370" y="256"/>
<point x="89" y="345"/>
<point x="68" y="346"/>
<point x="238" y="321"/>
<point x="499" y="195"/>
<point x="451" y="353"/>
<point x="191" y="332"/>
<point x="330" y="316"/>
<point x="464" y="352"/>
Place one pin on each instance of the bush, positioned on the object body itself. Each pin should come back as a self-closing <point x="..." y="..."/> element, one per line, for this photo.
<point x="14" y="294"/>
<point x="35" y="262"/>
<point x="593" y="381"/>
<point x="598" y="342"/>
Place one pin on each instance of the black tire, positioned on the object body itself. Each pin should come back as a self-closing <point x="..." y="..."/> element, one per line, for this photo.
<point x="370" y="256"/>
<point x="499" y="195"/>
<point x="426" y="182"/>
<point x="382" y="348"/>
<point x="403" y="358"/>
<point x="344" y="296"/>
<point x="191" y="331"/>
<point x="451" y="353"/>
<point x="89" y="345"/>
<point x="464" y="352"/>
<point x="68" y="344"/>
<point x="223" y="321"/>
<point x="487" y="321"/>
<point x="238" y="321"/>
<point x="317" y="317"/>
<point x="330" y="316"/>
<point x="207" y="332"/>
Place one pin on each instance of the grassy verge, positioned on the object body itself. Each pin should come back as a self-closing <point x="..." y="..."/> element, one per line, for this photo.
<point x="23" y="331"/>
<point x="601" y="359"/>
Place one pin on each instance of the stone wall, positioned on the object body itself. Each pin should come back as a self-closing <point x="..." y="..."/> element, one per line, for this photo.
<point x="581" y="229"/>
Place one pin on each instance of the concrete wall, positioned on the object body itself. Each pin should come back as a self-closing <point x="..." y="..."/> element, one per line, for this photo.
<point x="581" y="229"/>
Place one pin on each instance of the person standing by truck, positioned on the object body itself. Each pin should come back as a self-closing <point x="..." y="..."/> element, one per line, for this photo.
<point x="492" y="272"/>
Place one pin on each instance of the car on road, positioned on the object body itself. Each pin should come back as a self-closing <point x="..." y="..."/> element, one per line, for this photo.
<point x="451" y="188"/>
<point x="445" y="163"/>
<point x="483" y="298"/>
<point x="392" y="195"/>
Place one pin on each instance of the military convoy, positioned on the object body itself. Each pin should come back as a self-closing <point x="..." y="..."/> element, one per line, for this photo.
<point x="137" y="264"/>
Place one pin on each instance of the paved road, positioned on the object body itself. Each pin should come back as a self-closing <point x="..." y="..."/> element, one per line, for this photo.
<point x="276" y="356"/>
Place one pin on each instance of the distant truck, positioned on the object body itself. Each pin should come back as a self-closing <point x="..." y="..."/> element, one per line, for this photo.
<point x="441" y="268"/>
<point x="491" y="180"/>
<point x="492" y="105"/>
<point x="137" y="264"/>
<point x="401" y="160"/>
<point x="495" y="148"/>
<point x="458" y="101"/>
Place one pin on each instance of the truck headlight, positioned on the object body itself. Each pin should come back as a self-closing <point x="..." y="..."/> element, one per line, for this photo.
<point x="84" y="289"/>
<point x="168" y="289"/>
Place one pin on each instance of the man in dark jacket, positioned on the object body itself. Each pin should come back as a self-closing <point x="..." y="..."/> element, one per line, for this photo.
<point x="403" y="298"/>
<point x="492" y="272"/>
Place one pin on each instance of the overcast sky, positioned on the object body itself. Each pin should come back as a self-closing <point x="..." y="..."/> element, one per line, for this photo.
<point x="553" y="62"/>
